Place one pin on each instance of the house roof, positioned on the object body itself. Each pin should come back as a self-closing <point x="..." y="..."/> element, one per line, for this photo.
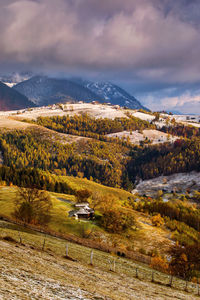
<point x="72" y="213"/>
<point x="82" y="211"/>
<point x="83" y="204"/>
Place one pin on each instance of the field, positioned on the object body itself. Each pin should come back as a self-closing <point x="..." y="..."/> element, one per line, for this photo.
<point x="135" y="137"/>
<point x="179" y="182"/>
<point x="48" y="275"/>
<point x="10" y="123"/>
<point x="146" y="236"/>
<point x="82" y="183"/>
<point x="97" y="111"/>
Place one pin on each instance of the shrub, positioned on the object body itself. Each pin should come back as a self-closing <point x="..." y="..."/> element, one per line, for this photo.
<point x="157" y="220"/>
<point x="142" y="251"/>
<point x="159" y="263"/>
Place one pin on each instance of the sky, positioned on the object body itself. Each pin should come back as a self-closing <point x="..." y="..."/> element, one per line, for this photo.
<point x="149" y="47"/>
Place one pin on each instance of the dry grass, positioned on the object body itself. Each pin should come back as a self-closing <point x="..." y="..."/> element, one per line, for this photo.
<point x="47" y="274"/>
<point x="10" y="123"/>
<point x="150" y="237"/>
<point x="146" y="236"/>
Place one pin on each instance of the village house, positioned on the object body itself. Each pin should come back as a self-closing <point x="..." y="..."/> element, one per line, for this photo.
<point x="82" y="211"/>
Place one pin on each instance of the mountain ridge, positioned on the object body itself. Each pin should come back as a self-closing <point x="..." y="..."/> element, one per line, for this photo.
<point x="44" y="90"/>
<point x="11" y="99"/>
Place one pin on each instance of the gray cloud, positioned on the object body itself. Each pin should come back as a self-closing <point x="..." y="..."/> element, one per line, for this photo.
<point x="145" y="43"/>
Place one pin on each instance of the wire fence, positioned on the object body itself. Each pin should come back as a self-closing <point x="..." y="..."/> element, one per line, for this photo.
<point x="96" y="258"/>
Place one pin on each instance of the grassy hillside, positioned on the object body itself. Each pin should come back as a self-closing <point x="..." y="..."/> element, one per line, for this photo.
<point x="48" y="275"/>
<point x="144" y="236"/>
<point x="82" y="183"/>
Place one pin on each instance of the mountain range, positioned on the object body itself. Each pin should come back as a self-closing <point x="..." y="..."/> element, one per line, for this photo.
<point x="43" y="90"/>
<point x="111" y="93"/>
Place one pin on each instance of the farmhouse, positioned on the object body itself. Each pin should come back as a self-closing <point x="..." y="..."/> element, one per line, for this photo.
<point x="82" y="211"/>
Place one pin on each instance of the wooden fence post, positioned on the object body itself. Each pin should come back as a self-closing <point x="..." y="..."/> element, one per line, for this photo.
<point x="170" y="281"/>
<point x="152" y="276"/>
<point x="114" y="264"/>
<point x="91" y="258"/>
<point x="186" y="286"/>
<point x="110" y="264"/>
<point x="198" y="287"/>
<point x="136" y="273"/>
<point x="20" y="239"/>
<point x="67" y="250"/>
<point x="43" y="245"/>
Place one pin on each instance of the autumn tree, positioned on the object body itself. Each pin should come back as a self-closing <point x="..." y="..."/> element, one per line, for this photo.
<point x="32" y="206"/>
<point x="159" y="194"/>
<point x="83" y="195"/>
<point x="159" y="263"/>
<point x="117" y="220"/>
<point x="196" y="196"/>
<point x="157" y="220"/>
<point x="185" y="261"/>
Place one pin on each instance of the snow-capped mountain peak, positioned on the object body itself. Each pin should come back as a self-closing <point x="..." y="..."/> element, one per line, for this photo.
<point x="114" y="94"/>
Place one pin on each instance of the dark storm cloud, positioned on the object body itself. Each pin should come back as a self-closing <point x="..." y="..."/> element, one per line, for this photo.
<point x="144" y="43"/>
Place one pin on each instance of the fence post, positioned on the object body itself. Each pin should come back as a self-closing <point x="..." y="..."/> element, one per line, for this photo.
<point x="91" y="257"/>
<point x="136" y="273"/>
<point x="20" y="239"/>
<point x="67" y="250"/>
<point x="114" y="264"/>
<point x="152" y="276"/>
<point x="186" y="286"/>
<point x="170" y="281"/>
<point x="110" y="263"/>
<point x="43" y="245"/>
<point x="198" y="287"/>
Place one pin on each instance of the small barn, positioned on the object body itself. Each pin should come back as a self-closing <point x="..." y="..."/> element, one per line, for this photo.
<point x="82" y="211"/>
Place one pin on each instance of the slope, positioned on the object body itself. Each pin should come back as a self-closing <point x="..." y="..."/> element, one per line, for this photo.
<point x="114" y="94"/>
<point x="43" y="90"/>
<point x="11" y="99"/>
<point x="48" y="275"/>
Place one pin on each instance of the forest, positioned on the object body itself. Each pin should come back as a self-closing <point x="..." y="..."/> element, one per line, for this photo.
<point x="88" y="126"/>
<point x="110" y="161"/>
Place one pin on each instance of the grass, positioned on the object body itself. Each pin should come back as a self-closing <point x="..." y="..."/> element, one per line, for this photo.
<point x="62" y="203"/>
<point x="102" y="261"/>
<point x="60" y="222"/>
<point x="145" y="236"/>
<point x="83" y="183"/>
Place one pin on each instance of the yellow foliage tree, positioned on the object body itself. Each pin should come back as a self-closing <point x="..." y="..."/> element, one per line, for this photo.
<point x="157" y="220"/>
<point x="159" y="264"/>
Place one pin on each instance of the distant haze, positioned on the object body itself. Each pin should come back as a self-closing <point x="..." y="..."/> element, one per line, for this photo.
<point x="149" y="47"/>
